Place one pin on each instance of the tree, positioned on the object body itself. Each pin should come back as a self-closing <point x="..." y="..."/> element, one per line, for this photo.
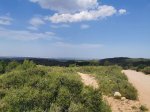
<point x="94" y="62"/>
<point x="107" y="63"/>
<point x="140" y="67"/>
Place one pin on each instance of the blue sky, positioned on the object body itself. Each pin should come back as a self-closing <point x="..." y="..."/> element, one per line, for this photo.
<point x="75" y="28"/>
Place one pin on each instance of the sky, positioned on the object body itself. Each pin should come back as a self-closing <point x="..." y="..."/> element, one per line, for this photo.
<point x="85" y="29"/>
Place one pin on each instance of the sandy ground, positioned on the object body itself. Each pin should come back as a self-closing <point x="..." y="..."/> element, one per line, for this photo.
<point x="88" y="80"/>
<point x="115" y="104"/>
<point x="142" y="83"/>
<point x="122" y="106"/>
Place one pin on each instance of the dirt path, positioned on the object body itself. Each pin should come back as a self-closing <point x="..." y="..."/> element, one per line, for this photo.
<point x="88" y="80"/>
<point x="142" y="83"/>
<point x="115" y="104"/>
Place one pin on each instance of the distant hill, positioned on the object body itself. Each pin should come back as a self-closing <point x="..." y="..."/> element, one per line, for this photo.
<point x="46" y="61"/>
<point x="125" y="62"/>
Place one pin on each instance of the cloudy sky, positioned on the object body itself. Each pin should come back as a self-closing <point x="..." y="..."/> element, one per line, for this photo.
<point x="75" y="28"/>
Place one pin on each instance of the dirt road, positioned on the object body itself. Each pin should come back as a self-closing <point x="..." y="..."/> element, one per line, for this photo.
<point x="142" y="83"/>
<point x="116" y="105"/>
<point x="88" y="80"/>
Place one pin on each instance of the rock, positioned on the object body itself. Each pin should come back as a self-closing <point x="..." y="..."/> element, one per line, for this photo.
<point x="117" y="95"/>
<point x="123" y="98"/>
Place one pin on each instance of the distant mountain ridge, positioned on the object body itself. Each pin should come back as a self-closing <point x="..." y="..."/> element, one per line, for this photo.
<point x="126" y="62"/>
<point x="121" y="61"/>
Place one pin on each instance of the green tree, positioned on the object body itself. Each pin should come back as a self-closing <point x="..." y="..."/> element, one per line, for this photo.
<point x="72" y="65"/>
<point x="107" y="63"/>
<point x="94" y="63"/>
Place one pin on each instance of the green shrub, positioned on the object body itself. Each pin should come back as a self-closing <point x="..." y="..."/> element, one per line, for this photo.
<point x="18" y="100"/>
<point x="1" y="69"/>
<point x="127" y="90"/>
<point x="64" y="99"/>
<point x="105" y="107"/>
<point x="3" y="65"/>
<point x="74" y="86"/>
<point x="12" y="65"/>
<point x="2" y="93"/>
<point x="77" y="107"/>
<point x="34" y="88"/>
<point x="146" y="70"/>
<point x="72" y="65"/>
<point x="140" y="67"/>
<point x="111" y="80"/>
<point x="27" y="64"/>
<point x="143" y="108"/>
<point x="92" y="99"/>
<point x="94" y="63"/>
<point x="13" y="79"/>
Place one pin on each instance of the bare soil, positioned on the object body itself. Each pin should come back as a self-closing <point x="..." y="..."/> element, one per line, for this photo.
<point x="122" y="106"/>
<point x="115" y="104"/>
<point x="142" y="83"/>
<point x="88" y="80"/>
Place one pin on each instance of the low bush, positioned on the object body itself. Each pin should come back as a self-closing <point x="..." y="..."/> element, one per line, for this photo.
<point x="111" y="80"/>
<point x="143" y="108"/>
<point x="12" y="65"/>
<point x="146" y="70"/>
<point x="31" y="88"/>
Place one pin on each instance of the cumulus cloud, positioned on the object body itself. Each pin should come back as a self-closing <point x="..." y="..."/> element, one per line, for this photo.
<point x="36" y="21"/>
<point x="67" y="5"/>
<point x="84" y="26"/>
<point x="77" y="10"/>
<point x="25" y="35"/>
<point x="5" y="20"/>
<point x="99" y="13"/>
<point x="122" y="11"/>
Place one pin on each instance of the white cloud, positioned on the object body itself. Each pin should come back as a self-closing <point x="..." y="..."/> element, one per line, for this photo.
<point x="25" y="35"/>
<point x="32" y="28"/>
<point x="99" y="13"/>
<point x="5" y="20"/>
<point x="60" y="26"/>
<point x="84" y="26"/>
<point x="122" y="11"/>
<point x="77" y="10"/>
<point x="36" y="21"/>
<point x="67" y="5"/>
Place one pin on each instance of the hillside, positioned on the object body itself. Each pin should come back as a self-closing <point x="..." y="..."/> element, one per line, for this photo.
<point x="36" y="88"/>
<point x="126" y="62"/>
<point x="138" y="64"/>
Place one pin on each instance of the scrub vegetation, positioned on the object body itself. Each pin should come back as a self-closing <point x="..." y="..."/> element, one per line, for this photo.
<point x="27" y="87"/>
